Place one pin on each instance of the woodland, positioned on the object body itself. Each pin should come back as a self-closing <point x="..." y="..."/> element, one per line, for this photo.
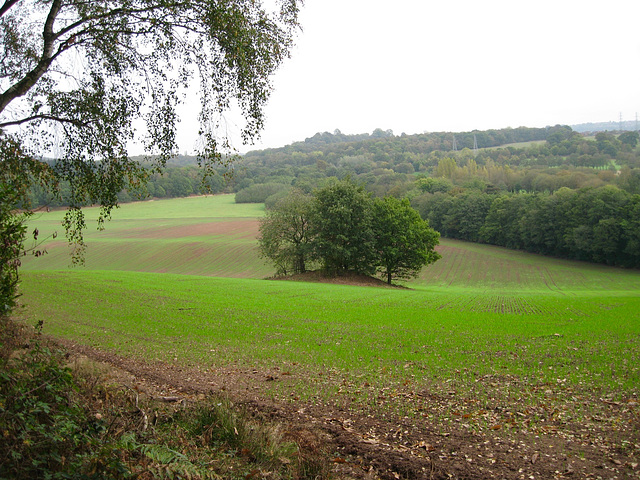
<point x="552" y="191"/>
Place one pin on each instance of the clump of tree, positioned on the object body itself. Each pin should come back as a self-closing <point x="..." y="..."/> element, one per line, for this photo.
<point x="258" y="193"/>
<point x="341" y="228"/>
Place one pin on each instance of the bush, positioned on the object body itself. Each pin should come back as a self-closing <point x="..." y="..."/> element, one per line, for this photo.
<point x="259" y="192"/>
<point x="46" y="433"/>
<point x="12" y="236"/>
<point x="272" y="200"/>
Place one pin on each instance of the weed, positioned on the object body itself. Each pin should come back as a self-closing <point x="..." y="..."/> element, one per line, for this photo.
<point x="45" y="432"/>
<point x="59" y="423"/>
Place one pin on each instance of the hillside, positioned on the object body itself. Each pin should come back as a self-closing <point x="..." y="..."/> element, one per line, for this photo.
<point x="491" y="355"/>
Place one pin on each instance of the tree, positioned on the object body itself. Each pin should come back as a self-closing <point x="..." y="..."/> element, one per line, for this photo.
<point x="629" y="138"/>
<point x="403" y="240"/>
<point x="343" y="238"/>
<point x="76" y="74"/>
<point x="285" y="236"/>
<point x="607" y="143"/>
<point x="13" y="231"/>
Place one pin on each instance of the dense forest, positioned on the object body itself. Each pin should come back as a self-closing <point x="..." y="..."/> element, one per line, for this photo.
<point x="548" y="190"/>
<point x="551" y="191"/>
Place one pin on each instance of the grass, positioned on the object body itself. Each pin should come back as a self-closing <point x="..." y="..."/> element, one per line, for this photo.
<point x="426" y="333"/>
<point x="213" y="236"/>
<point x="520" y="144"/>
<point x="484" y="326"/>
<point x="197" y="235"/>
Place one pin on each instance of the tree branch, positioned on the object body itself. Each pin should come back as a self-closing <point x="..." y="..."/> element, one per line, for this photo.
<point x="77" y="123"/>
<point x="29" y="80"/>
<point x="7" y="5"/>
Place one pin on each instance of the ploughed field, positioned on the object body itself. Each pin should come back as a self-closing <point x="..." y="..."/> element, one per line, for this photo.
<point x="493" y="363"/>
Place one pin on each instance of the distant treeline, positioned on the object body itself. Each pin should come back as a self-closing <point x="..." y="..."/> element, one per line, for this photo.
<point x="568" y="195"/>
<point x="565" y="194"/>
<point x="173" y="183"/>
<point x="389" y="165"/>
<point x="594" y="224"/>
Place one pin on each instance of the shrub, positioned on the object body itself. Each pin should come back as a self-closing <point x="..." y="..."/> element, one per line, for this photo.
<point x="259" y="192"/>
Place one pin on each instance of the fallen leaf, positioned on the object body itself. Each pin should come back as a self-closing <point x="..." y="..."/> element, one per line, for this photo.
<point x="427" y="446"/>
<point x="252" y="474"/>
<point x="534" y="458"/>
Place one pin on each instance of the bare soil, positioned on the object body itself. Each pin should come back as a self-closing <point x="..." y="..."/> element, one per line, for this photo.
<point x="366" y="446"/>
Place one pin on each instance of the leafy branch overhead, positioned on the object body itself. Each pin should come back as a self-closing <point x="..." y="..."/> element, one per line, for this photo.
<point x="81" y="80"/>
<point x="79" y="73"/>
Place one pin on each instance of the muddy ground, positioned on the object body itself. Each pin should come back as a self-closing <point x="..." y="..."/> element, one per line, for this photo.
<point x="605" y="445"/>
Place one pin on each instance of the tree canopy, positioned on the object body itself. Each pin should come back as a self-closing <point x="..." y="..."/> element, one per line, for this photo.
<point x="404" y="242"/>
<point x="342" y="228"/>
<point x="285" y="236"/>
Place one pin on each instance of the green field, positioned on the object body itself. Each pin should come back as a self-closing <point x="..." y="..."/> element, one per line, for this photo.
<point x="213" y="236"/>
<point x="485" y="324"/>
<point x="426" y="332"/>
<point x="197" y="235"/>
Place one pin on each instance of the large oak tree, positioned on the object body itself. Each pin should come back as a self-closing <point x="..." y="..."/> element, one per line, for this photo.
<point x="344" y="229"/>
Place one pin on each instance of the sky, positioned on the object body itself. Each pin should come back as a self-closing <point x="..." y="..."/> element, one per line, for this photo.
<point x="417" y="66"/>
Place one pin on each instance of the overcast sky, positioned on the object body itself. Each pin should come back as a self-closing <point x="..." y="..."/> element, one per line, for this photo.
<point x="455" y="65"/>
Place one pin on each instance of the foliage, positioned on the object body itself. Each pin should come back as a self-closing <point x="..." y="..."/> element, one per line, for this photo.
<point x="629" y="138"/>
<point x="259" y="193"/>
<point x="341" y="222"/>
<point x="403" y="240"/>
<point x="346" y="230"/>
<point x="593" y="224"/>
<point x="12" y="236"/>
<point x="543" y="160"/>
<point x="76" y="75"/>
<point x="14" y="202"/>
<point x="285" y="236"/>
<point x="46" y="432"/>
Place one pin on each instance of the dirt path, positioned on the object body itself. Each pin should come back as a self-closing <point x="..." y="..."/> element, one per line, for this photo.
<point x="606" y="446"/>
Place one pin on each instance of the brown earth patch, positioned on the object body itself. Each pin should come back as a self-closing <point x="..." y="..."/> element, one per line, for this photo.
<point x="241" y="228"/>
